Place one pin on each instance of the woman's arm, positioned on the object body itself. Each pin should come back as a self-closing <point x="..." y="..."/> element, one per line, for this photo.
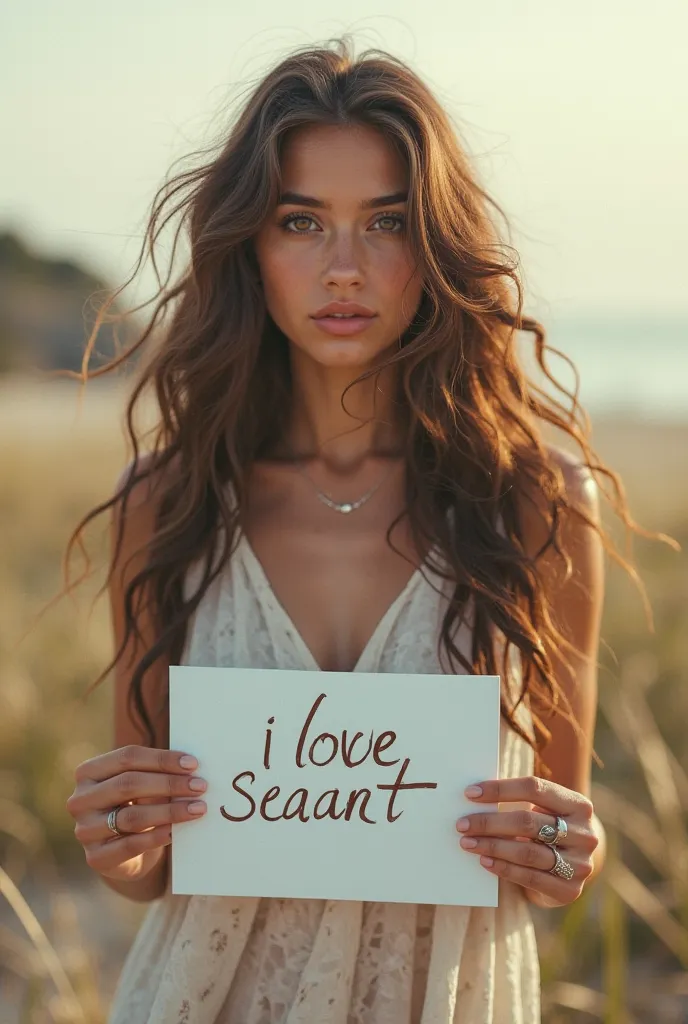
<point x="138" y="530"/>
<point x="150" y="785"/>
<point x="576" y="604"/>
<point x="577" y="607"/>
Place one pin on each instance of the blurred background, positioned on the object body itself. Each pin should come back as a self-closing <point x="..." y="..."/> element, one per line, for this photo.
<point x="575" y="119"/>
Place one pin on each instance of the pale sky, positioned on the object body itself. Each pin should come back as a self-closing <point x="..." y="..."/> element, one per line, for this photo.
<point x="576" y="117"/>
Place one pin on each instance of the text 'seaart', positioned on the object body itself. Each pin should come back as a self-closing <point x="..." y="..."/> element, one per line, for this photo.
<point x="328" y="785"/>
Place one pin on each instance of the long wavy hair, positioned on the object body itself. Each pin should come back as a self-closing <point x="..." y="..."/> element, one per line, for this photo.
<point x="219" y="371"/>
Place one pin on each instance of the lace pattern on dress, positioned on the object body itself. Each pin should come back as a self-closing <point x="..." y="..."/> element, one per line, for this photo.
<point x="219" y="960"/>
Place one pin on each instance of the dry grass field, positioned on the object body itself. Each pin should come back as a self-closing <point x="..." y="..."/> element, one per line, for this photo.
<point x="620" y="954"/>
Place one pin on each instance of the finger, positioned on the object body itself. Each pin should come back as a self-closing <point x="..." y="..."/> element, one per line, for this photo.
<point x="103" y="796"/>
<point x="560" y="889"/>
<point x="106" y="856"/>
<point x="548" y="795"/>
<point x="135" y="758"/>
<point x="138" y="818"/>
<point x="530" y="855"/>
<point x="523" y="823"/>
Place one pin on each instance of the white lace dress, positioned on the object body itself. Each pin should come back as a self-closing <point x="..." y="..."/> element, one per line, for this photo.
<point x="221" y="960"/>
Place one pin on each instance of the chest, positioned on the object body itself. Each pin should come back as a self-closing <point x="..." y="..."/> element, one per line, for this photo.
<point x="335" y="576"/>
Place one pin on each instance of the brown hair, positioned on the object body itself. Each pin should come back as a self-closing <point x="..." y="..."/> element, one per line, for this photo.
<point x="220" y="373"/>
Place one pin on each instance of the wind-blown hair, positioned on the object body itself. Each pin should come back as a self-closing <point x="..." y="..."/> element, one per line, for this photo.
<point x="219" y="372"/>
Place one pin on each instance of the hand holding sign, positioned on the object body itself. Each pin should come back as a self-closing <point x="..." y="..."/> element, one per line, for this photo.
<point x="498" y="837"/>
<point x="333" y="785"/>
<point x="153" y="784"/>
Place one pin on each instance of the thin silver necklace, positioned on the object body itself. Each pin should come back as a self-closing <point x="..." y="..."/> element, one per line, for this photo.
<point x="345" y="507"/>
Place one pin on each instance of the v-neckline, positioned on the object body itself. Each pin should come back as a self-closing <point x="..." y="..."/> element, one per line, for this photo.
<point x="255" y="565"/>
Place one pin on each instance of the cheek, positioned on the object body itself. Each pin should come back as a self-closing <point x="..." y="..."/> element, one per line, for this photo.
<point x="396" y="271"/>
<point x="404" y="289"/>
<point x="283" y="281"/>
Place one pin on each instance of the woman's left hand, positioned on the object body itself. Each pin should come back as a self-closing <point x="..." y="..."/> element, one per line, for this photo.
<point x="507" y="844"/>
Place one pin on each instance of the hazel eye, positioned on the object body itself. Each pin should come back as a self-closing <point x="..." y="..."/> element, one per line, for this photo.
<point x="293" y="218"/>
<point x="397" y="220"/>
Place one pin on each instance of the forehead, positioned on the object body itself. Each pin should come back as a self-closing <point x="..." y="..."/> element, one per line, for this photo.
<point x="339" y="160"/>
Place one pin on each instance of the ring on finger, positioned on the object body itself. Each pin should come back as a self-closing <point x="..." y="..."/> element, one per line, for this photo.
<point x="550" y="835"/>
<point x="561" y="867"/>
<point x="112" y="821"/>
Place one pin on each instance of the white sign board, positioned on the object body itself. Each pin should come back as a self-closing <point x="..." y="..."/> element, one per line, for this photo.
<point x="329" y="785"/>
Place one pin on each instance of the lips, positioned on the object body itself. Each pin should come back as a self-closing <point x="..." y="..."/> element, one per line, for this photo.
<point x="344" y="316"/>
<point x="343" y="326"/>
<point x="346" y="308"/>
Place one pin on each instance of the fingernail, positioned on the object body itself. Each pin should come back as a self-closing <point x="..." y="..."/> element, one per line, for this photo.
<point x="472" y="791"/>
<point x="487" y="861"/>
<point x="198" y="785"/>
<point x="197" y="807"/>
<point x="469" y="843"/>
<point x="463" y="824"/>
<point x="187" y="761"/>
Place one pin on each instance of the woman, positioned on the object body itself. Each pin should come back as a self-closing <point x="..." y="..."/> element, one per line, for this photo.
<point x="349" y="475"/>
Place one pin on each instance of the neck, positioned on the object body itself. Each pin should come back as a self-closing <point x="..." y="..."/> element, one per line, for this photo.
<point x="342" y="428"/>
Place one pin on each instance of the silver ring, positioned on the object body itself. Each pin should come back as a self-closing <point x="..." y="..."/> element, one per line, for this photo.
<point x="550" y="835"/>
<point x="112" y="821"/>
<point x="562" y="868"/>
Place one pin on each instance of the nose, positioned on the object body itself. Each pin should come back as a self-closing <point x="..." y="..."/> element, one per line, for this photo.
<point x="343" y="266"/>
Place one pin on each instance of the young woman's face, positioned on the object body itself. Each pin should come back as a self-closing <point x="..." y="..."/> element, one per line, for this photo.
<point x="339" y="249"/>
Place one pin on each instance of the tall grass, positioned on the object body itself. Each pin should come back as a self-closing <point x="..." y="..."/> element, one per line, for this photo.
<point x="618" y="955"/>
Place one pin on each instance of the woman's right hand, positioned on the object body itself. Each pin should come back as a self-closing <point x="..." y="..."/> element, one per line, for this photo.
<point x="163" y="790"/>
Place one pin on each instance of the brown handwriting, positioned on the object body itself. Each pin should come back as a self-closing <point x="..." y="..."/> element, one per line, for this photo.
<point x="268" y="741"/>
<point x="346" y="747"/>
<point x="326" y="805"/>
<point x="332" y="803"/>
<point x="399" y="785"/>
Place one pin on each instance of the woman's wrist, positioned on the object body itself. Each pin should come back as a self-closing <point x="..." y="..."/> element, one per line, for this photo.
<point x="538" y="899"/>
<point x="147" y="887"/>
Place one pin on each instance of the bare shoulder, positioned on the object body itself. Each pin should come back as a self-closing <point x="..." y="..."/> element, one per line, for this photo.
<point x="136" y="519"/>
<point x="146" y="487"/>
<point x="580" y="484"/>
<point x="581" y="492"/>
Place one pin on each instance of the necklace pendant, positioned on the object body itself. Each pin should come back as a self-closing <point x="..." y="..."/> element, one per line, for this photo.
<point x="345" y="507"/>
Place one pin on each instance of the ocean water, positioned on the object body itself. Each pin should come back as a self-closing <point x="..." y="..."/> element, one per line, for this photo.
<point x="632" y="368"/>
<point x="628" y="366"/>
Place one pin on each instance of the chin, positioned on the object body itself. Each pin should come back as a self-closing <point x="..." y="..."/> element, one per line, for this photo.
<point x="357" y="352"/>
<point x="342" y="353"/>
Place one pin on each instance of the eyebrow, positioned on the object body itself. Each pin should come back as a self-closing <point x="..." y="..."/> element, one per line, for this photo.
<point x="298" y="199"/>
